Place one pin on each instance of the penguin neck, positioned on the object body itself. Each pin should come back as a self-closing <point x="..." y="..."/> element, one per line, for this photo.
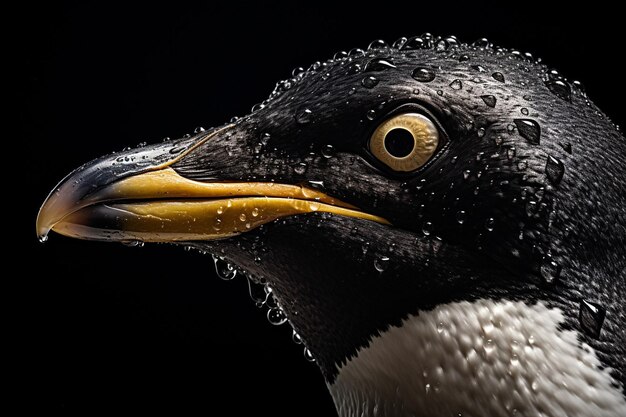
<point x="496" y="358"/>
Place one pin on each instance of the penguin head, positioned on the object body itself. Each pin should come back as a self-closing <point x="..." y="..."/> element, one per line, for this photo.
<point x="385" y="182"/>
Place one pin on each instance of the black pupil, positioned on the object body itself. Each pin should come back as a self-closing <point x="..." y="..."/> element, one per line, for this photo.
<point x="399" y="142"/>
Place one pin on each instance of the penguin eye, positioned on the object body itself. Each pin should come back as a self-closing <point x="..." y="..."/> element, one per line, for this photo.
<point x="405" y="142"/>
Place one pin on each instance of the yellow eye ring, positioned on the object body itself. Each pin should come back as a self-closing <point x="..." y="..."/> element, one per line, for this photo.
<point x="405" y="142"/>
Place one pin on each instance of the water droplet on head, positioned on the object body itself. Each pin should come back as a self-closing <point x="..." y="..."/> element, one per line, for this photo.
<point x="369" y="82"/>
<point x="460" y="216"/>
<point x="427" y="228"/>
<point x="257" y="293"/>
<point x="378" y="44"/>
<point x="399" y="43"/>
<point x="482" y="43"/>
<point x="524" y="111"/>
<point x="498" y="76"/>
<point x="328" y="151"/>
<point x="255" y="212"/>
<point x="276" y="316"/>
<point x="510" y="152"/>
<point x="529" y="130"/>
<point x="308" y="355"/>
<point x="417" y="42"/>
<point x="381" y="263"/>
<point x="591" y="317"/>
<point x="567" y="147"/>
<point x="550" y="270"/>
<point x="371" y="114"/>
<point x="464" y="58"/>
<point x="340" y="55"/>
<point x="378" y="64"/>
<point x="489" y="100"/>
<point x="560" y="88"/>
<point x="423" y="74"/>
<point x="198" y="129"/>
<point x="300" y="168"/>
<point x="490" y="223"/>
<point x="242" y="217"/>
<point x="456" y="85"/>
<point x="223" y="269"/>
<point x="554" y="170"/>
<point x="478" y="68"/>
<point x="304" y="116"/>
<point x="480" y="132"/>
<point x="354" y="68"/>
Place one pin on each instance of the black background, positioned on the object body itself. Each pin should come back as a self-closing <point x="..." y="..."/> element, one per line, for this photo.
<point x="107" y="327"/>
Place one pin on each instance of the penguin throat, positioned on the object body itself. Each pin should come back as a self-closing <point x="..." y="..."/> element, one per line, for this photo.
<point x="482" y="358"/>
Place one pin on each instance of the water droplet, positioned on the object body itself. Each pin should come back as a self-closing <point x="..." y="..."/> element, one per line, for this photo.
<point x="560" y="88"/>
<point x="276" y="316"/>
<point x="466" y="174"/>
<point x="524" y="111"/>
<point x="482" y="43"/>
<point x="567" y="147"/>
<point x="423" y="75"/>
<point x="308" y="355"/>
<point x="427" y="228"/>
<point x="133" y="243"/>
<point x="591" y="317"/>
<point x="255" y="212"/>
<point x="460" y="216"/>
<point x="490" y="224"/>
<point x="381" y="263"/>
<point x="440" y="92"/>
<point x="198" y="129"/>
<point x="369" y="82"/>
<point x="440" y="327"/>
<point x="223" y="269"/>
<point x="296" y="338"/>
<point x="529" y="130"/>
<point x="478" y="68"/>
<point x="300" y="168"/>
<point x="328" y="151"/>
<point x="304" y="116"/>
<point x="177" y="149"/>
<point x="498" y="76"/>
<point x="242" y="217"/>
<point x="456" y="85"/>
<point x="340" y="55"/>
<point x="377" y="44"/>
<point x="356" y="52"/>
<point x="489" y="100"/>
<point x="417" y="42"/>
<point x="550" y="270"/>
<point x="354" y="68"/>
<point x="489" y="346"/>
<point x="42" y="238"/>
<point x="554" y="170"/>
<point x="378" y="64"/>
<point x="371" y="114"/>
<point x="257" y="293"/>
<point x="510" y="152"/>
<point x="464" y="58"/>
<point x="399" y="43"/>
<point x="480" y="132"/>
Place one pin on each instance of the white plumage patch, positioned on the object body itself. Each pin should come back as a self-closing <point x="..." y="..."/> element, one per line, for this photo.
<point x="478" y="359"/>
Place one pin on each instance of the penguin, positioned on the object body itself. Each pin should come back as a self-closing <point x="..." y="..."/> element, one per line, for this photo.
<point x="441" y="223"/>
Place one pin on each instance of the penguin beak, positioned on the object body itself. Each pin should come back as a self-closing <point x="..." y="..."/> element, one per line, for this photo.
<point x="137" y="196"/>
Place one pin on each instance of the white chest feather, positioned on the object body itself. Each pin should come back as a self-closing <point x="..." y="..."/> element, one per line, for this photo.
<point x="478" y="359"/>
